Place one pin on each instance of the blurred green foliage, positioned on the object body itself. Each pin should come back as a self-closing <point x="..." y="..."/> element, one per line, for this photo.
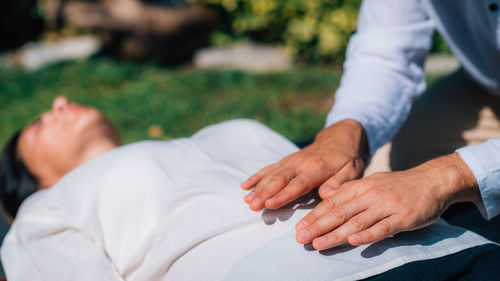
<point x="311" y="30"/>
<point x="146" y="101"/>
<point x="439" y="45"/>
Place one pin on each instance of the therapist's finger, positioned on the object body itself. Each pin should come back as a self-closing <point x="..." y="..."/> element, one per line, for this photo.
<point x="268" y="187"/>
<point x="382" y="229"/>
<point x="334" y="218"/>
<point x="354" y="225"/>
<point x="348" y="191"/>
<point x="295" y="188"/>
<point x="334" y="183"/>
<point x="256" y="178"/>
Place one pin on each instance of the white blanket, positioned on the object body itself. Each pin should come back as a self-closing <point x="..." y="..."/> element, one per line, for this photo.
<point x="174" y="211"/>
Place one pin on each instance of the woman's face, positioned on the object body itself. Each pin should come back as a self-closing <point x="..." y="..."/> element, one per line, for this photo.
<point x="63" y="138"/>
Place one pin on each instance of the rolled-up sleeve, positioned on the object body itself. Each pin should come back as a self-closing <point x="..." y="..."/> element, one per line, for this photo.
<point x="484" y="161"/>
<point x="383" y="71"/>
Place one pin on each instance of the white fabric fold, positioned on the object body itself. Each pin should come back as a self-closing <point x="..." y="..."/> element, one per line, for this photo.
<point x="174" y="211"/>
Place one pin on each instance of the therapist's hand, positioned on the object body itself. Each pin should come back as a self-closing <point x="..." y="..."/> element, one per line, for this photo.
<point x="333" y="158"/>
<point x="375" y="207"/>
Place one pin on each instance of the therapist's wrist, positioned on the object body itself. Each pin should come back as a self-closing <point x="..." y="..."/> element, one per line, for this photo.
<point x="458" y="183"/>
<point x="350" y="130"/>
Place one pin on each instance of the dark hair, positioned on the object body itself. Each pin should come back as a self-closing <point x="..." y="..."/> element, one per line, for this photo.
<point x="16" y="181"/>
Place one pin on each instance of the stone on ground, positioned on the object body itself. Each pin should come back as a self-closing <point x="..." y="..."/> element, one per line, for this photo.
<point x="245" y="56"/>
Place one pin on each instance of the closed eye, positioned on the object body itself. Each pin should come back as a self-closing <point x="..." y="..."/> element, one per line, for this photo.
<point x="36" y="122"/>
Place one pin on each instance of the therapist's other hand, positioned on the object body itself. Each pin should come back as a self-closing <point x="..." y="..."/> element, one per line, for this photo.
<point x="333" y="158"/>
<point x="370" y="209"/>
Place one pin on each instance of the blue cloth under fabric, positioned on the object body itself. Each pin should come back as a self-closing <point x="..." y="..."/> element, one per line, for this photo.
<point x="478" y="263"/>
<point x="466" y="215"/>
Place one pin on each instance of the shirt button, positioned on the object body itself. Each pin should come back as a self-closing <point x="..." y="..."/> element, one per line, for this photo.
<point x="493" y="7"/>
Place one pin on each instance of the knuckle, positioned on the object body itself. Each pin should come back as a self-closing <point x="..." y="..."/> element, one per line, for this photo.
<point x="315" y="163"/>
<point x="410" y="218"/>
<point x="278" y="180"/>
<point x="329" y="203"/>
<point x="285" y="196"/>
<point x="265" y="194"/>
<point x="314" y="229"/>
<point x="310" y="218"/>
<point x="297" y="181"/>
<point x="384" y="227"/>
<point x="406" y="212"/>
<point x="264" y="182"/>
<point x="358" y="223"/>
<point x="335" y="236"/>
<point x="373" y="193"/>
<point x="297" y="160"/>
<point x="339" y="213"/>
<point x="368" y="236"/>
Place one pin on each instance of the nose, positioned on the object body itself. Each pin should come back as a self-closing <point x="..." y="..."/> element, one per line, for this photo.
<point x="59" y="103"/>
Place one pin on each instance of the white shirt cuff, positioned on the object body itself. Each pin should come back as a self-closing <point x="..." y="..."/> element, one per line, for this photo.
<point x="484" y="161"/>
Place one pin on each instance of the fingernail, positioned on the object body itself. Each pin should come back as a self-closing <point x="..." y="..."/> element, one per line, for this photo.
<point x="245" y="183"/>
<point x="355" y="238"/>
<point x="328" y="191"/>
<point x="255" y="202"/>
<point x="303" y="235"/>
<point x="250" y="196"/>
<point x="301" y="225"/>
<point x="320" y="241"/>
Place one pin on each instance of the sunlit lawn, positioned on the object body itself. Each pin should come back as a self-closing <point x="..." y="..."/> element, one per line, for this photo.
<point x="147" y="101"/>
<point x="179" y="101"/>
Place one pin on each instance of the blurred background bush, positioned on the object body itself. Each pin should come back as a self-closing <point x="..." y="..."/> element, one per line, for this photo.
<point x="20" y="21"/>
<point x="312" y="31"/>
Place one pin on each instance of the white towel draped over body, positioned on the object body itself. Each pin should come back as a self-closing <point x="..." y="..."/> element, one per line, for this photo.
<point x="174" y="211"/>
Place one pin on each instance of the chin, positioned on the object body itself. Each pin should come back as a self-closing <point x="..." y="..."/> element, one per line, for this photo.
<point x="87" y="121"/>
<point x="99" y="125"/>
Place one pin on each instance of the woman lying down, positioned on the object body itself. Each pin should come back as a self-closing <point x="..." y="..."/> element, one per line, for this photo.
<point x="159" y="210"/>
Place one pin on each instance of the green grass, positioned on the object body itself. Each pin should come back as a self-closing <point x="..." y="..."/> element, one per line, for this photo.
<point x="180" y="101"/>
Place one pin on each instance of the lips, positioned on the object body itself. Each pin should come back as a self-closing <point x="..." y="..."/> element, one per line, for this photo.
<point x="74" y="107"/>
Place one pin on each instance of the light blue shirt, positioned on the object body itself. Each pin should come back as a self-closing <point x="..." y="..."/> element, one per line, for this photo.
<point x="383" y="72"/>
